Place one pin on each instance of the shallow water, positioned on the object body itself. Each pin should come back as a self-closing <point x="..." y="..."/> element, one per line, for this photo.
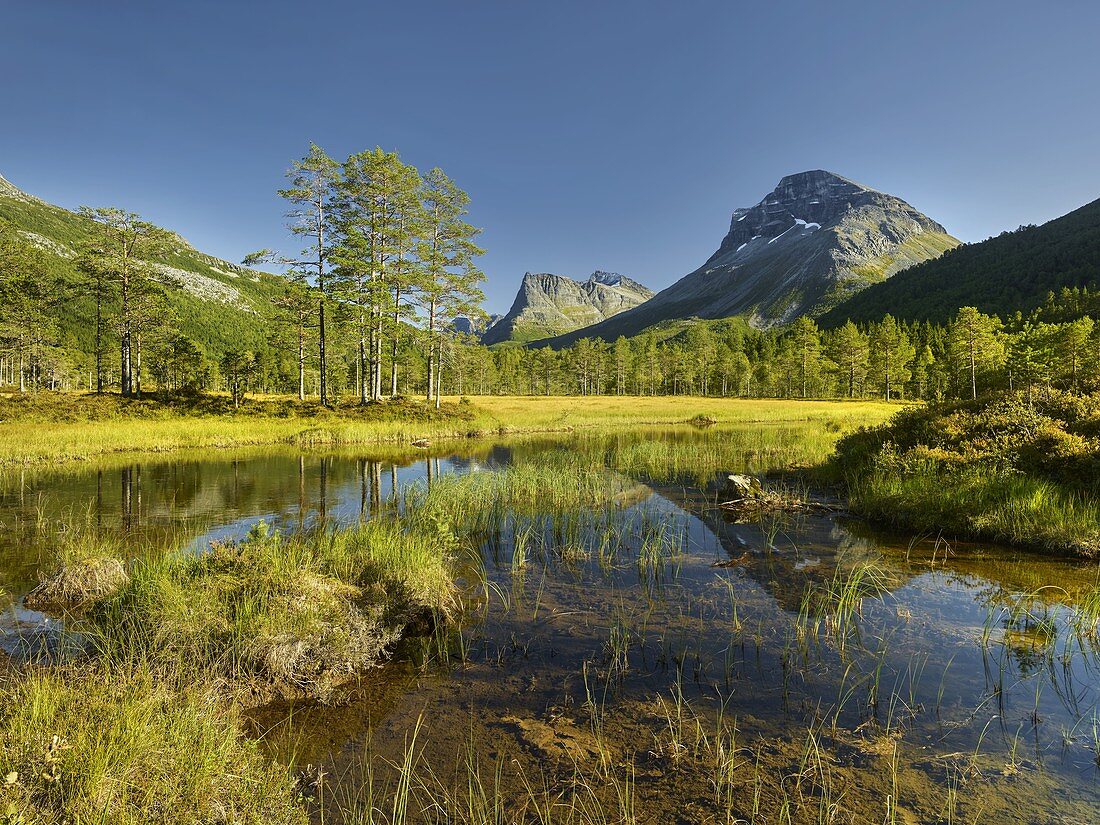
<point x="607" y="667"/>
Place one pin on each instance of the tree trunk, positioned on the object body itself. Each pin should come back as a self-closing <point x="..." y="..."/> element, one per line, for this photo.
<point x="137" y="366"/>
<point x="438" y="375"/>
<point x="396" y="340"/>
<point x="301" y="360"/>
<point x="431" y="350"/>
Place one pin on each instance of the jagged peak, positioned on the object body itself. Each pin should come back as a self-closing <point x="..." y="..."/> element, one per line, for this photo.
<point x="813" y="177"/>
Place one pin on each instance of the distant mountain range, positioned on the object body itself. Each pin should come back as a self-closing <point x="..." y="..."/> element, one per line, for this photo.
<point x="548" y="305"/>
<point x="1011" y="272"/>
<point x="815" y="240"/>
<point x="216" y="303"/>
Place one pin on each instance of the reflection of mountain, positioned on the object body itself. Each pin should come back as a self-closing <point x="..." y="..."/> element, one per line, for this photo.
<point x="808" y="548"/>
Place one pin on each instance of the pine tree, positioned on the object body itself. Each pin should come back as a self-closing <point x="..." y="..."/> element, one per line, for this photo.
<point x="890" y="353"/>
<point x="121" y="257"/>
<point x="375" y="216"/>
<point x="848" y="347"/>
<point x="312" y="185"/>
<point x="974" y="345"/>
<point x="448" y="276"/>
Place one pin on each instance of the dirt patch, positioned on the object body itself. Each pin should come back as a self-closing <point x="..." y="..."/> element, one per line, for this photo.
<point x="557" y="740"/>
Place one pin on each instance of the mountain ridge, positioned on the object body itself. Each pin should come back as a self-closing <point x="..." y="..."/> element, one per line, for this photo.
<point x="1010" y="272"/>
<point x="815" y="239"/>
<point x="217" y="303"/>
<point x="550" y="304"/>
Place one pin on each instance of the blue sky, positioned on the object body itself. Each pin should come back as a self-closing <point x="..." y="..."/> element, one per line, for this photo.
<point x="590" y="135"/>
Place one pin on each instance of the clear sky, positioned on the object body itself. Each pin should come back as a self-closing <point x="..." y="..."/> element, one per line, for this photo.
<point x="590" y="135"/>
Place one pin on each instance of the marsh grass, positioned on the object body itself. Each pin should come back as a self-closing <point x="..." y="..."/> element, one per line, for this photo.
<point x="131" y="747"/>
<point x="269" y="613"/>
<point x="78" y="427"/>
<point x="981" y="502"/>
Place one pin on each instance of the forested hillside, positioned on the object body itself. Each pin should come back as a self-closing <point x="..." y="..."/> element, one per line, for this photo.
<point x="216" y="304"/>
<point x="1013" y="272"/>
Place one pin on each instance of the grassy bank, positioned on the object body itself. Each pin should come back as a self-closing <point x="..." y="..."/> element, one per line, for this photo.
<point x="1004" y="468"/>
<point x="53" y="428"/>
<point x="132" y="747"/>
<point x="146" y="727"/>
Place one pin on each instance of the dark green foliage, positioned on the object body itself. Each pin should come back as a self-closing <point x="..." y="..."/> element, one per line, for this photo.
<point x="1013" y="272"/>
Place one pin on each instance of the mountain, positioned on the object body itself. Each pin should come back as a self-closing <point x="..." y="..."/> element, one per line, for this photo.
<point x="813" y="241"/>
<point x="1012" y="272"/>
<point x="468" y="326"/>
<point x="552" y="304"/>
<point x="216" y="303"/>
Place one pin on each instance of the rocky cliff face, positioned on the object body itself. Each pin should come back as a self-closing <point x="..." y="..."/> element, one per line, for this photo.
<point x="549" y="305"/>
<point x="816" y="239"/>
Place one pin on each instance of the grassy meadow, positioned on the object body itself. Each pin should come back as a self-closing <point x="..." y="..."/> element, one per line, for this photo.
<point x="54" y="428"/>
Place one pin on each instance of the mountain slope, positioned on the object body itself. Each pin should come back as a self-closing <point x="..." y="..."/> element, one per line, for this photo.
<point x="813" y="241"/>
<point x="1013" y="271"/>
<point x="552" y="304"/>
<point x="216" y="303"/>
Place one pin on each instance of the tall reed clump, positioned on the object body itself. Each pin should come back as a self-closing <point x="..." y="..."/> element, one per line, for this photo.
<point x="125" y="747"/>
<point x="289" y="615"/>
<point x="558" y="481"/>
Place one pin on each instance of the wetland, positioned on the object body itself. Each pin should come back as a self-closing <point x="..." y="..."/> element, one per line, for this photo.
<point x="610" y="644"/>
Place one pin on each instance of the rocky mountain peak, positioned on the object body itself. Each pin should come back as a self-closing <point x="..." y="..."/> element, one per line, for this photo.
<point x="549" y="304"/>
<point x="804" y="203"/>
<point x="606" y="278"/>
<point x="811" y="242"/>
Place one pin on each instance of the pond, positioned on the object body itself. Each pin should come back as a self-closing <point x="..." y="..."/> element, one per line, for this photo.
<point x="654" y="660"/>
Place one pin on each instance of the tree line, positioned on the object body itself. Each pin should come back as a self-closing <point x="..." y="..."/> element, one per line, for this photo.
<point x="388" y="263"/>
<point x="971" y="354"/>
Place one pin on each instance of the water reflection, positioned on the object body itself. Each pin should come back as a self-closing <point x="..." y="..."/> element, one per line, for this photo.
<point x="964" y="650"/>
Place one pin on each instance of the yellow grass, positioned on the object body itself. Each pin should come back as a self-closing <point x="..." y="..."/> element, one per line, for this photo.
<point x="26" y="443"/>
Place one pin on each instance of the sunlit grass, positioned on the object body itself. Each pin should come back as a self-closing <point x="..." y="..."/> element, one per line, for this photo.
<point x="119" y="747"/>
<point x="48" y="435"/>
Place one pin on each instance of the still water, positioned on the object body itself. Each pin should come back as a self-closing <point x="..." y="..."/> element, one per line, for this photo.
<point x="658" y="650"/>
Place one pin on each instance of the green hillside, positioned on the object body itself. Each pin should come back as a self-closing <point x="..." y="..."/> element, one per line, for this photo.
<point x="216" y="303"/>
<point x="1012" y="272"/>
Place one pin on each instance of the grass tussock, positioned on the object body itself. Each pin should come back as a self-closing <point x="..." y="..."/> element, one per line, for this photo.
<point x="274" y="615"/>
<point x="115" y="748"/>
<point x="78" y="584"/>
<point x="1004" y="467"/>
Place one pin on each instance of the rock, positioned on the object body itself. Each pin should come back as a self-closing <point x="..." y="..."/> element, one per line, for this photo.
<point x="742" y="487"/>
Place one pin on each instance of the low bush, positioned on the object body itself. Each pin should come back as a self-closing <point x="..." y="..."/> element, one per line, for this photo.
<point x="1004" y="467"/>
